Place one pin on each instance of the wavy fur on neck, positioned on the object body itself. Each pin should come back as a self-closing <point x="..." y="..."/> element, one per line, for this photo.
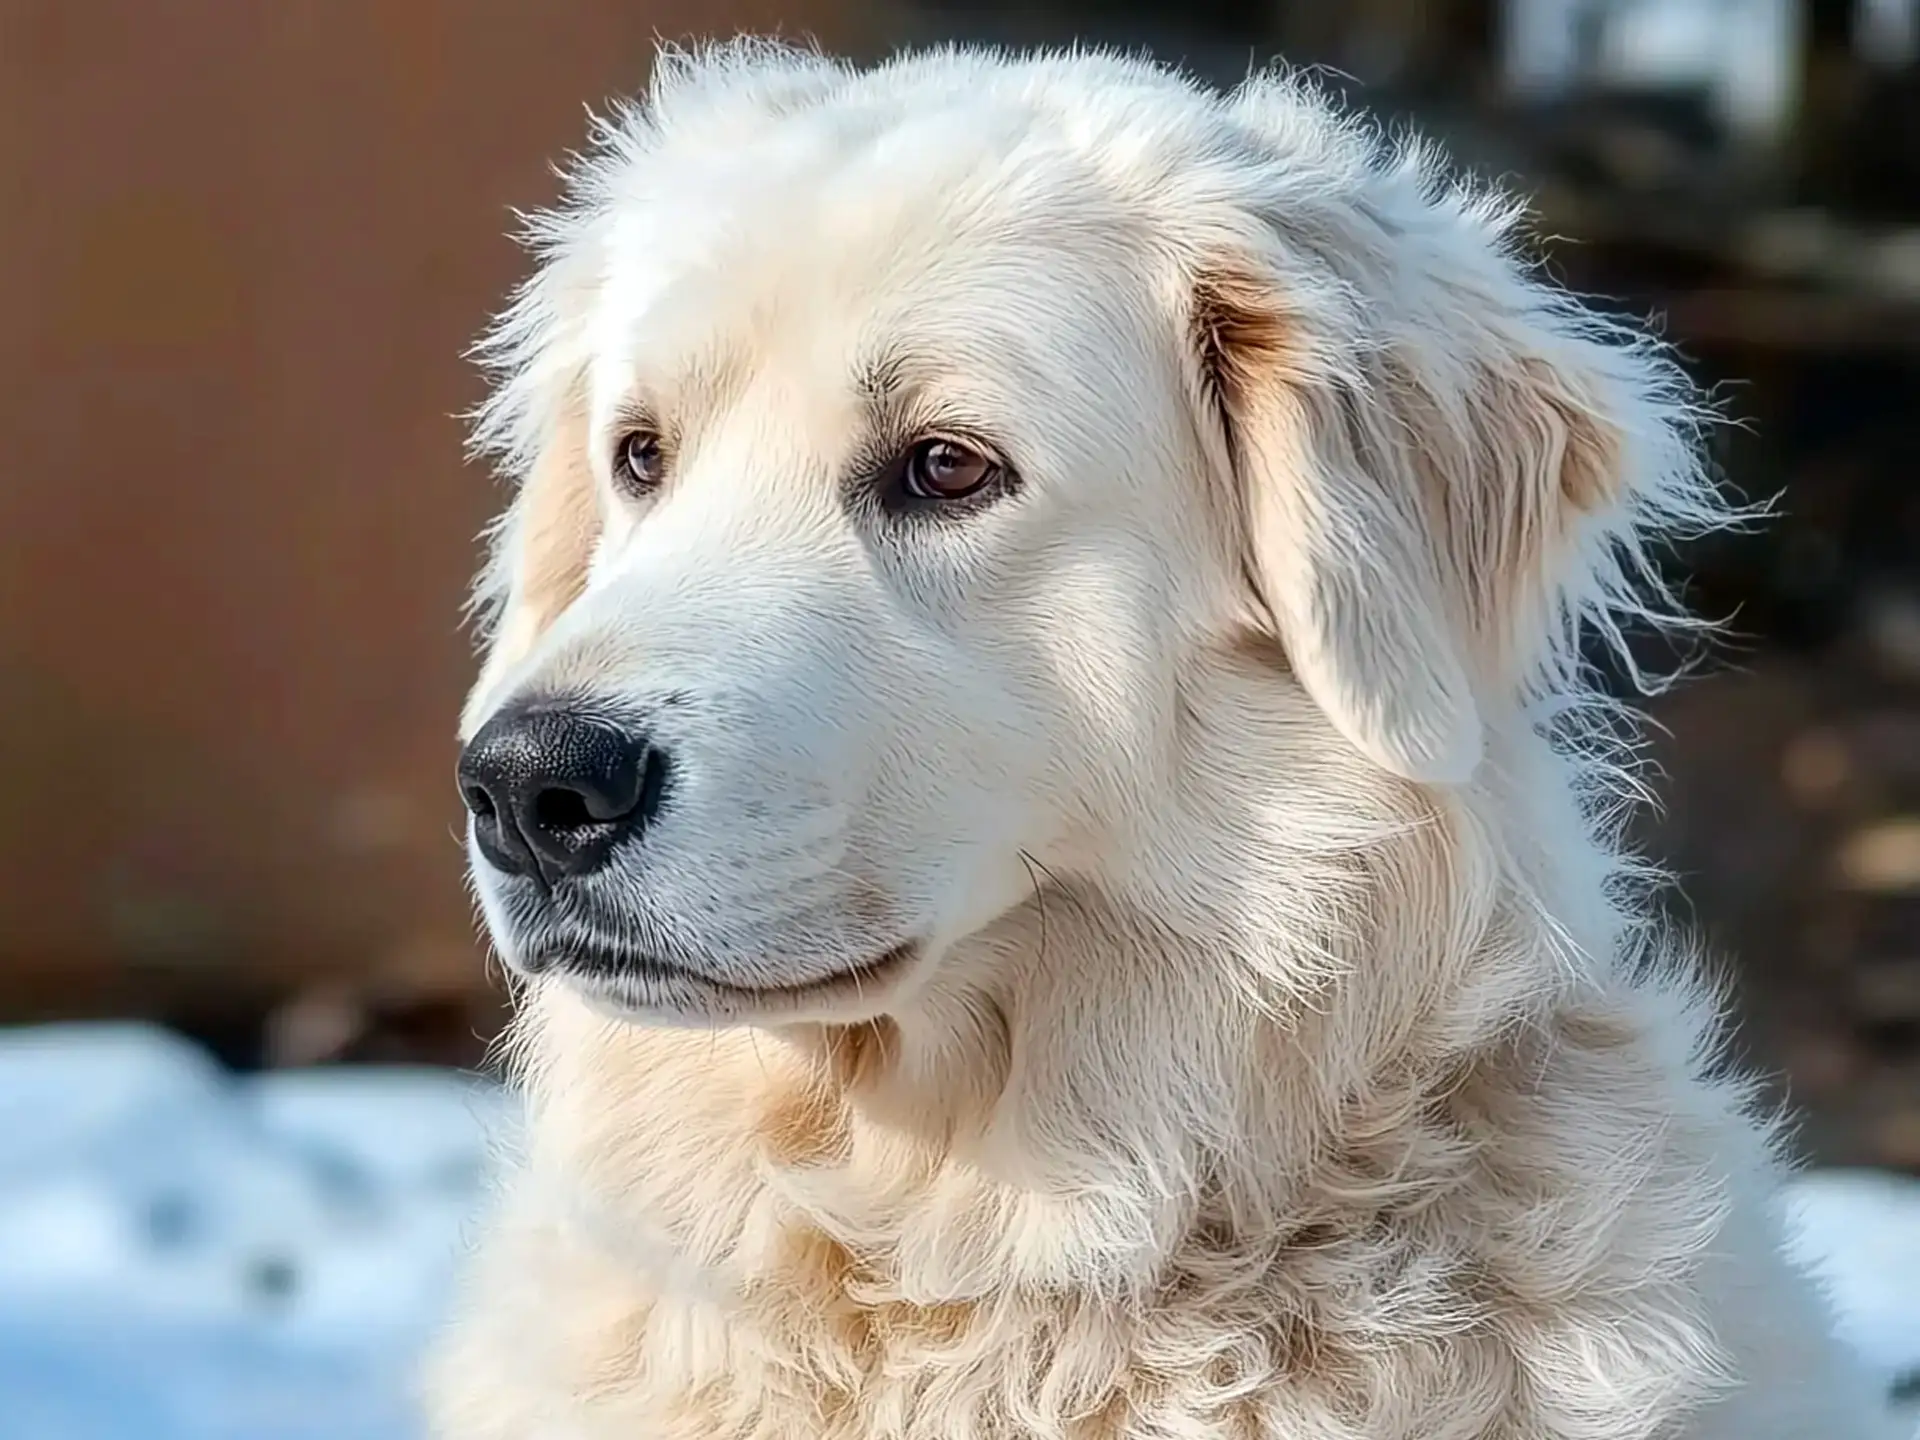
<point x="1143" y="1181"/>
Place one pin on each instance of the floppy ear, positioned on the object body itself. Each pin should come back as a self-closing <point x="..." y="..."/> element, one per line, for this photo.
<point x="1445" y="470"/>
<point x="533" y="425"/>
<point x="1335" y="549"/>
<point x="541" y="548"/>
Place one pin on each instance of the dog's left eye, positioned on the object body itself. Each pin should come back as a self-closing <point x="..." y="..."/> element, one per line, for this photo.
<point x="946" y="470"/>
<point x="640" y="461"/>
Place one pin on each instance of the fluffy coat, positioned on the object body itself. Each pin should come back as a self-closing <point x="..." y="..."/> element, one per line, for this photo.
<point x="1291" y="1049"/>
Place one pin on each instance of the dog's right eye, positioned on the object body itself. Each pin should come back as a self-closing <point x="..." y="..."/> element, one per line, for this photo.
<point x="640" y="461"/>
<point x="939" y="472"/>
<point x="946" y="470"/>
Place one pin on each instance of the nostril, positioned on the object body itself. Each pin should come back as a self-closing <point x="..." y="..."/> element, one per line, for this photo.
<point x="479" y="803"/>
<point x="561" y="810"/>
<point x="632" y="796"/>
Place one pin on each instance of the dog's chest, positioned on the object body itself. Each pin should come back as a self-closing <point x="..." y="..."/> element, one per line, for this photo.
<point x="1356" y="1338"/>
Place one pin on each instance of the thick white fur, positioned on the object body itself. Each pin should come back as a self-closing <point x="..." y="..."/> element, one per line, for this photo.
<point x="1290" y="1052"/>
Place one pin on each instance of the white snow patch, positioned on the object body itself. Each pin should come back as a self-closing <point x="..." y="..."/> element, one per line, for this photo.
<point x="186" y="1255"/>
<point x="1859" y="1231"/>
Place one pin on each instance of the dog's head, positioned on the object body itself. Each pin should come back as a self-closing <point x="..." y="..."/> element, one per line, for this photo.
<point x="907" y="459"/>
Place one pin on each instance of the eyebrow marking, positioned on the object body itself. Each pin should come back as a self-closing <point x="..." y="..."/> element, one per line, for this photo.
<point x="634" y="413"/>
<point x="880" y="380"/>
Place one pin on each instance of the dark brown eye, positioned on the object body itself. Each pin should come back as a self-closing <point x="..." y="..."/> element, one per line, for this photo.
<point x="946" y="470"/>
<point x="640" y="461"/>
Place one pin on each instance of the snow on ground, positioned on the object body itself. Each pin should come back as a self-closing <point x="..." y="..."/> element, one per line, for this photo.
<point x="189" y="1256"/>
<point x="184" y="1256"/>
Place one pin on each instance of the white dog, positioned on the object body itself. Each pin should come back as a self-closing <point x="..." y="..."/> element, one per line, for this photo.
<point x="1035" y="765"/>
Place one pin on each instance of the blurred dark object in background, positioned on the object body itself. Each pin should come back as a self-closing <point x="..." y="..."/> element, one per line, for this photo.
<point x="246" y="245"/>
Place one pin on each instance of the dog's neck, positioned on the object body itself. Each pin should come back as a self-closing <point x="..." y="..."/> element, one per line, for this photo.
<point x="1138" y="1123"/>
<point x="1115" y="1072"/>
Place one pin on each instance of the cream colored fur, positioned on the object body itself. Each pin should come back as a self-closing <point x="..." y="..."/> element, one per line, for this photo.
<point x="1289" y="1051"/>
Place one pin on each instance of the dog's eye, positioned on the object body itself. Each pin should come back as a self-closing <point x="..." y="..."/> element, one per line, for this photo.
<point x="640" y="461"/>
<point x="946" y="470"/>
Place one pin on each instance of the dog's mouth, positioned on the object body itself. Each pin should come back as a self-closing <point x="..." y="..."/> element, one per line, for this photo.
<point x="637" y="984"/>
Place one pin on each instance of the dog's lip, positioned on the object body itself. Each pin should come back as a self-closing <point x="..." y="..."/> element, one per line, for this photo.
<point x="610" y="967"/>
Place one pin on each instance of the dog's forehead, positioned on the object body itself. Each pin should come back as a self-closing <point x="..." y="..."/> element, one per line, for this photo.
<point x="825" y="246"/>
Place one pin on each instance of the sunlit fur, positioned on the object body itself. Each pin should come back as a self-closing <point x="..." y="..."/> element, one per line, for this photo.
<point x="1292" y="1051"/>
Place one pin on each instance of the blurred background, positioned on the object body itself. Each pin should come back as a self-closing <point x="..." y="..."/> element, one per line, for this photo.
<point x="242" y="247"/>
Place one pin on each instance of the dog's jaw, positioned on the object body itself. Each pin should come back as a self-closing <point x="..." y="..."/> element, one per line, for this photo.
<point x="642" y="990"/>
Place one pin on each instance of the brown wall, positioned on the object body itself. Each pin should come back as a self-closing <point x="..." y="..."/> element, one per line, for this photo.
<point x="242" y="244"/>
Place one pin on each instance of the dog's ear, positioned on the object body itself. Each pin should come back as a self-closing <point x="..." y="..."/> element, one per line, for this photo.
<point x="1445" y="470"/>
<point x="1335" y="550"/>
<point x="541" y="548"/>
<point x="533" y="424"/>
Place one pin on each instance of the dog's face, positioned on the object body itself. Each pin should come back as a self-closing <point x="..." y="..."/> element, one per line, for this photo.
<point x="898" y="449"/>
<point x="888" y="552"/>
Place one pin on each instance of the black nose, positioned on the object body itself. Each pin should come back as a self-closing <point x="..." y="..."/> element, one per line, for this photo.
<point x="553" y="788"/>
